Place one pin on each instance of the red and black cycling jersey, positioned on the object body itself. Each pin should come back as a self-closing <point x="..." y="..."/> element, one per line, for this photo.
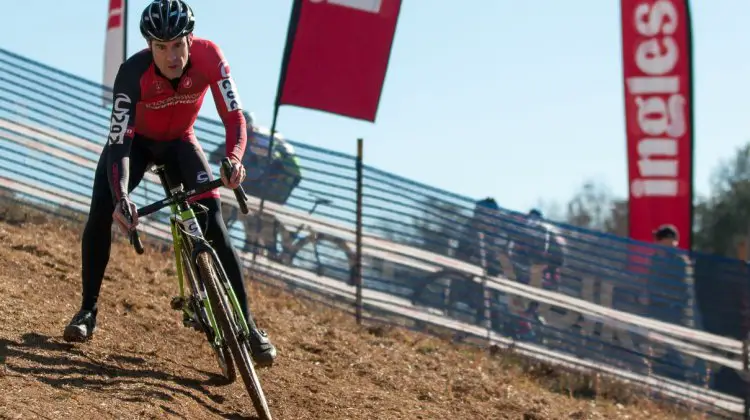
<point x="153" y="107"/>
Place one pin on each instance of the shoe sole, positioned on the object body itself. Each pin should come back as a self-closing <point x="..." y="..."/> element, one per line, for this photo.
<point x="73" y="334"/>
<point x="264" y="360"/>
<point x="263" y="363"/>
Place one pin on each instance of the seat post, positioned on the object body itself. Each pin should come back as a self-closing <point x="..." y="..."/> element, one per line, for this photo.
<point x="159" y="170"/>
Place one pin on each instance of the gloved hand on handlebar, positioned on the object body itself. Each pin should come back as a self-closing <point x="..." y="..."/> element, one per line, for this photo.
<point x="237" y="176"/>
<point x="119" y="215"/>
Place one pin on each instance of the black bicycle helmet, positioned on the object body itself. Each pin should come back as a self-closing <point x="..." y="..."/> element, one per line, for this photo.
<point x="166" y="20"/>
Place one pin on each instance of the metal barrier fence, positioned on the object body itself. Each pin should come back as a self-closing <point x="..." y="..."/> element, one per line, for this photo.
<point x="435" y="259"/>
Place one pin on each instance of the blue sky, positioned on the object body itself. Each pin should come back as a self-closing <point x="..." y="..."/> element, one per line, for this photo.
<point x="518" y="100"/>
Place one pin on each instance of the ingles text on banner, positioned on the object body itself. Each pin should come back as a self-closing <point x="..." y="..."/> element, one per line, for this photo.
<point x="657" y="64"/>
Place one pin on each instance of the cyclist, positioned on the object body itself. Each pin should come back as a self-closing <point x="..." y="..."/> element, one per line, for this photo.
<point x="157" y="95"/>
<point x="536" y="242"/>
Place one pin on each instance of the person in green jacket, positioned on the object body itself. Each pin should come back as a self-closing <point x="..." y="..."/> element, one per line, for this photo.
<point x="284" y="169"/>
<point x="284" y="175"/>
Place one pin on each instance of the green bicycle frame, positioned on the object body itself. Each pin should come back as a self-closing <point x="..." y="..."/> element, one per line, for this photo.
<point x="189" y="225"/>
<point x="225" y="318"/>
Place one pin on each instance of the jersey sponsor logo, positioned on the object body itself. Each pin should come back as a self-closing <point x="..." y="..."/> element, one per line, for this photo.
<point x="120" y="117"/>
<point x="188" y="98"/>
<point x="202" y="177"/>
<point x="228" y="88"/>
<point x="229" y="93"/>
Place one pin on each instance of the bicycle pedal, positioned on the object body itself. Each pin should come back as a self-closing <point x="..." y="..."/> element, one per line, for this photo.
<point x="188" y="322"/>
<point x="177" y="303"/>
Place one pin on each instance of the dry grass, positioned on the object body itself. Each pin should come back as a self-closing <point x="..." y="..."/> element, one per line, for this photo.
<point x="143" y="364"/>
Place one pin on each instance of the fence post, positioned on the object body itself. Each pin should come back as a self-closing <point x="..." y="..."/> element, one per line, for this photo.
<point x="487" y="301"/>
<point x="358" y="239"/>
<point x="745" y="372"/>
<point x="745" y="314"/>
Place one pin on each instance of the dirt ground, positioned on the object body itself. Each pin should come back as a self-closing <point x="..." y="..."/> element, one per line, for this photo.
<point x="143" y="364"/>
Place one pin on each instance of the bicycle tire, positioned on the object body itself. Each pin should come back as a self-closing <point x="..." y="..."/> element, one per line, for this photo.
<point x="433" y="289"/>
<point x="315" y="240"/>
<point x="223" y="355"/>
<point x="239" y="348"/>
<point x="446" y="288"/>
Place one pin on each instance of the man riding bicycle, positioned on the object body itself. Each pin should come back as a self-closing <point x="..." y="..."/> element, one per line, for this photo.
<point x="157" y="95"/>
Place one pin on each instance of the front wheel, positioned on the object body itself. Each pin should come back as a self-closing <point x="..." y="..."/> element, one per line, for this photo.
<point x="225" y="316"/>
<point x="223" y="356"/>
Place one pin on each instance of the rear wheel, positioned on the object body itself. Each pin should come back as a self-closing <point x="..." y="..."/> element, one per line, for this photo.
<point x="324" y="255"/>
<point x="239" y="347"/>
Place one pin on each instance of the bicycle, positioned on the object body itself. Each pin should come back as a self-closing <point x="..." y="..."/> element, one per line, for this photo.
<point x="211" y="305"/>
<point x="292" y="242"/>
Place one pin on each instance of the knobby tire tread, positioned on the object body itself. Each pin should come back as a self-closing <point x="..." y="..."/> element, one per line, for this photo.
<point x="189" y="275"/>
<point x="221" y="309"/>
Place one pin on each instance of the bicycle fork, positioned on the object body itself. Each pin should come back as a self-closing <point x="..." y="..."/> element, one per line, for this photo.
<point x="234" y="303"/>
<point x="189" y="223"/>
<point x="199" y="300"/>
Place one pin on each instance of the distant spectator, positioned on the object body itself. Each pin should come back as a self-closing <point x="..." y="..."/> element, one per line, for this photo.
<point x="722" y="300"/>
<point x="284" y="176"/>
<point x="671" y="299"/>
<point x="534" y="242"/>
<point x="486" y="221"/>
<point x="520" y="241"/>
<point x="670" y="280"/>
<point x="481" y="243"/>
<point x="284" y="170"/>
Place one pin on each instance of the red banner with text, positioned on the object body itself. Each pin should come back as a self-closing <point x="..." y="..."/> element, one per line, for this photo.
<point x="337" y="54"/>
<point x="657" y="64"/>
<point x="114" y="44"/>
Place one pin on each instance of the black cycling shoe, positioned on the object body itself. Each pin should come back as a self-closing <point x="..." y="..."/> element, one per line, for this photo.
<point x="81" y="327"/>
<point x="263" y="351"/>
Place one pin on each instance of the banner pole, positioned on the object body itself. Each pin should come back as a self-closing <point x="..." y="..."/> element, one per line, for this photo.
<point x="745" y="315"/>
<point x="486" y="293"/>
<point x="746" y="372"/>
<point x="291" y="29"/>
<point x="125" y="30"/>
